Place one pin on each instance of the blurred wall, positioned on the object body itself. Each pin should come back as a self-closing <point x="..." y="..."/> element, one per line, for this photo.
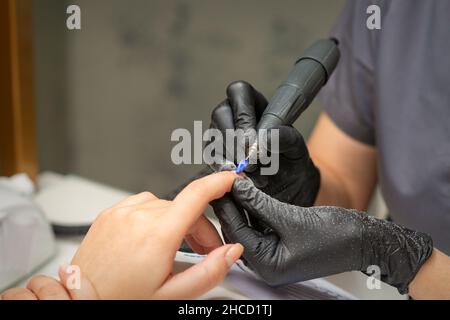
<point x="109" y="95"/>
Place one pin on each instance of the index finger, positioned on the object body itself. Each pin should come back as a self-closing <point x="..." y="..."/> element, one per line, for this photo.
<point x="191" y="202"/>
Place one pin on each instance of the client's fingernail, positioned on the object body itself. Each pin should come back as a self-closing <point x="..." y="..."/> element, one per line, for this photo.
<point x="233" y="254"/>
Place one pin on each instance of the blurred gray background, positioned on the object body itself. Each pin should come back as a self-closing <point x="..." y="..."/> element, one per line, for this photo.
<point x="109" y="95"/>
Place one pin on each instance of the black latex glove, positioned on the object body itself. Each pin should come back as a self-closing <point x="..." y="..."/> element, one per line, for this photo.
<point x="297" y="180"/>
<point x="307" y="243"/>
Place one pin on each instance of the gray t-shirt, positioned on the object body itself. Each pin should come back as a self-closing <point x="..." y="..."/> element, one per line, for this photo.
<point x="391" y="89"/>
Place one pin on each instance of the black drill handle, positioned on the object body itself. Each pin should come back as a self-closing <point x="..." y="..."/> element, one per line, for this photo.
<point x="311" y="71"/>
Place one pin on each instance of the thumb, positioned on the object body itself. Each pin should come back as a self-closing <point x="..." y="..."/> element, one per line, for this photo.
<point x="203" y="276"/>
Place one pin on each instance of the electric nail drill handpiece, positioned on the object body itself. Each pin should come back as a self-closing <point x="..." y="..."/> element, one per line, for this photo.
<point x="309" y="74"/>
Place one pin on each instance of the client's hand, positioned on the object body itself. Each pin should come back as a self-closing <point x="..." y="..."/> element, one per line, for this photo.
<point x="129" y="251"/>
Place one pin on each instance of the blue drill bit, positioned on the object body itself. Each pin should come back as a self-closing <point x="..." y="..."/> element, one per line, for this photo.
<point x="241" y="166"/>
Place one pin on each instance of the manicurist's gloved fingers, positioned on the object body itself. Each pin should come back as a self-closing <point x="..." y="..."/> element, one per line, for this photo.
<point x="260" y="104"/>
<point x="247" y="104"/>
<point x="216" y="152"/>
<point x="222" y="117"/>
<point x="203" y="276"/>
<point x="290" y="142"/>
<point x="257" y="203"/>
<point x="191" y="202"/>
<point x="46" y="288"/>
<point x="259" y="248"/>
<point x="234" y="223"/>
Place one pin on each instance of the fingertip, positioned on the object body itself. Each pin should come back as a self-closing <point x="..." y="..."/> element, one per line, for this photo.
<point x="197" y="195"/>
<point x="237" y="87"/>
<point x="233" y="254"/>
<point x="228" y="173"/>
<point x="216" y="182"/>
<point x="229" y="176"/>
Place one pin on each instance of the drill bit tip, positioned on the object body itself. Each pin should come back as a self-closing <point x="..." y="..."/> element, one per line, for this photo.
<point x="242" y="165"/>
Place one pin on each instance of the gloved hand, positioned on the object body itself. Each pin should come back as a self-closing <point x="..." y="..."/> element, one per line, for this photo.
<point x="307" y="243"/>
<point x="297" y="180"/>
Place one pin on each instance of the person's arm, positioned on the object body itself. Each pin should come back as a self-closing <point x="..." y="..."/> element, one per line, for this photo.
<point x="433" y="279"/>
<point x="347" y="167"/>
<point x="129" y="250"/>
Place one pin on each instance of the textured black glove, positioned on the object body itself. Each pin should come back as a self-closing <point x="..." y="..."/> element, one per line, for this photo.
<point x="307" y="243"/>
<point x="297" y="180"/>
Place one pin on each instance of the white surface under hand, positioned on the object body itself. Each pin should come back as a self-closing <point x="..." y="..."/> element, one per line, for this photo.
<point x="26" y="239"/>
<point x="73" y="200"/>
